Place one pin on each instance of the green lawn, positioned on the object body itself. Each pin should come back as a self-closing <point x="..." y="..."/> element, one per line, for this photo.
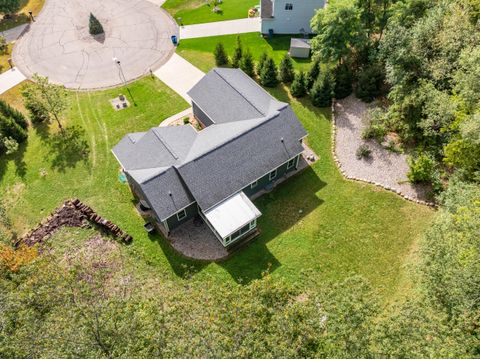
<point x="22" y="17"/>
<point x="316" y="224"/>
<point x="199" y="11"/>
<point x="200" y="51"/>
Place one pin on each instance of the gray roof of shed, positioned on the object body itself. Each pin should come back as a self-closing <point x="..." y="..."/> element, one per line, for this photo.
<point x="300" y="43"/>
<point x="210" y="165"/>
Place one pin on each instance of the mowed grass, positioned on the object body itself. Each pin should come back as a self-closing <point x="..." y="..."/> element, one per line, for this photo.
<point x="200" y="51"/>
<point x="316" y="225"/>
<point x="4" y="66"/>
<point x="200" y="11"/>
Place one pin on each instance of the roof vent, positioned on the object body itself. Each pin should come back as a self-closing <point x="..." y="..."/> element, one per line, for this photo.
<point x="281" y="139"/>
<point x="170" y="193"/>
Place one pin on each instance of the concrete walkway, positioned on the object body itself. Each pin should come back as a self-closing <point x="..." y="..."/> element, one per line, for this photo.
<point x="169" y="120"/>
<point x="180" y="75"/>
<point x="220" y="28"/>
<point x="14" y="33"/>
<point x="10" y="79"/>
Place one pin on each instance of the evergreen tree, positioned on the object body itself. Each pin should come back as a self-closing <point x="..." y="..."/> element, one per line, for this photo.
<point x="299" y="87"/>
<point x="221" y="58"/>
<point x="322" y="90"/>
<point x="313" y="73"/>
<point x="269" y="73"/>
<point x="343" y="81"/>
<point x="9" y="6"/>
<point x="95" y="28"/>
<point x="247" y="64"/>
<point x="261" y="62"/>
<point x="237" y="53"/>
<point x="369" y="84"/>
<point x="286" y="72"/>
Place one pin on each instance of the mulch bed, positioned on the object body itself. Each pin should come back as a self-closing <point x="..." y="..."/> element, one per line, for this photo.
<point x="73" y="213"/>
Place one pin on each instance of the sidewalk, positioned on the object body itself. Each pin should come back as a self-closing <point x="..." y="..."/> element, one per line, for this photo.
<point x="180" y="75"/>
<point x="10" y="78"/>
<point x="220" y="28"/>
<point x="14" y="33"/>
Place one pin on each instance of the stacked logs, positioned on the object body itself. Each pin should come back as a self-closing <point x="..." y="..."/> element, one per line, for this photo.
<point x="73" y="213"/>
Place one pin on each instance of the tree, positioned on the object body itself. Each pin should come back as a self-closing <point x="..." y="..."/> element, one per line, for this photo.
<point x="299" y="86"/>
<point x="269" y="73"/>
<point x="221" y="58"/>
<point x="261" y="61"/>
<point x="369" y="84"/>
<point x="9" y="6"/>
<point x="422" y="168"/>
<point x="47" y="98"/>
<point x="3" y="46"/>
<point x="322" y="90"/>
<point x="286" y="72"/>
<point x="247" y="65"/>
<point x="94" y="26"/>
<point x="343" y="81"/>
<point x="13" y="128"/>
<point x="237" y="53"/>
<point x="313" y="73"/>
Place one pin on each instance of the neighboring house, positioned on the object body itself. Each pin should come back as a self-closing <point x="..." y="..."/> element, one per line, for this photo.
<point x="249" y="141"/>
<point x="288" y="16"/>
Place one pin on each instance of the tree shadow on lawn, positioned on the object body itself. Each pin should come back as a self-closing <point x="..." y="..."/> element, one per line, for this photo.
<point x="281" y="209"/>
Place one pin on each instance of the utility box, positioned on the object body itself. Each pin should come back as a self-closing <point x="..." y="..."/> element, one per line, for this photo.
<point x="300" y="48"/>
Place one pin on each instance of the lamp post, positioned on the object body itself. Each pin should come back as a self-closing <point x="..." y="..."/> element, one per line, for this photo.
<point x="122" y="77"/>
<point x="31" y="16"/>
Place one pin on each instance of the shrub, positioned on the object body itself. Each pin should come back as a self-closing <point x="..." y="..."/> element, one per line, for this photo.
<point x="94" y="26"/>
<point x="186" y="120"/>
<point x="269" y="73"/>
<point x="237" y="53"/>
<point x="10" y="129"/>
<point x="3" y="46"/>
<point x="322" y="90"/>
<point x="247" y="65"/>
<point x="9" y="111"/>
<point x="221" y="58"/>
<point x="376" y="128"/>
<point x="9" y="144"/>
<point x="286" y="73"/>
<point x="343" y="81"/>
<point x="313" y="74"/>
<point x="363" y="151"/>
<point x="261" y="61"/>
<point x="422" y="169"/>
<point x="299" y="86"/>
<point x="369" y="84"/>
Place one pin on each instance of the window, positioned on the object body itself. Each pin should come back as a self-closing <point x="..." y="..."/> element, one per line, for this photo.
<point x="291" y="163"/>
<point x="181" y="215"/>
<point x="254" y="184"/>
<point x="288" y="6"/>
<point x="272" y="175"/>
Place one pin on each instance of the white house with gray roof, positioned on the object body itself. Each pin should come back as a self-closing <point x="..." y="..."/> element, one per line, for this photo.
<point x="288" y="16"/>
<point x="249" y="141"/>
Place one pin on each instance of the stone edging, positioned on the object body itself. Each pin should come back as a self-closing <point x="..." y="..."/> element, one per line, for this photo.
<point x="345" y="175"/>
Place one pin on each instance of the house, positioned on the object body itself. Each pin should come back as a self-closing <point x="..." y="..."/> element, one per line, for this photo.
<point x="288" y="16"/>
<point x="249" y="141"/>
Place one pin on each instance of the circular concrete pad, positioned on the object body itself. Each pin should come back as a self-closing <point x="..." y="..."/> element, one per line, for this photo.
<point x="59" y="46"/>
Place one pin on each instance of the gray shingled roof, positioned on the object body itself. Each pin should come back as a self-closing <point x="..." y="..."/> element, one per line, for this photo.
<point x="176" y="165"/>
<point x="266" y="9"/>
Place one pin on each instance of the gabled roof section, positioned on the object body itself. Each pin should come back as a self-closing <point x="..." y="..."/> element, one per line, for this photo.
<point x="229" y="95"/>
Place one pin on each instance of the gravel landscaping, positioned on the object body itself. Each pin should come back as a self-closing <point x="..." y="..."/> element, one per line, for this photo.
<point x="382" y="167"/>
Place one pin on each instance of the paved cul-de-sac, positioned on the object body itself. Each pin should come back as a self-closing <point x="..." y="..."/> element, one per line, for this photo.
<point x="59" y="45"/>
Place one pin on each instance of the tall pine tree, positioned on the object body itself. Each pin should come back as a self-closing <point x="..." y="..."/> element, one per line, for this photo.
<point x="299" y="86"/>
<point x="313" y="73"/>
<point x="286" y="73"/>
<point x="322" y="90"/>
<point x="269" y="73"/>
<point x="221" y="58"/>
<point x="237" y="53"/>
<point x="247" y="64"/>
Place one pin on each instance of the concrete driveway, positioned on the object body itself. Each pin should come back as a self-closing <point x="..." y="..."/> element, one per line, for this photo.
<point x="58" y="44"/>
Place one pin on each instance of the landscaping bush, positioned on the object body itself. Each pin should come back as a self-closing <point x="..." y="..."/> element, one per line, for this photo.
<point x="286" y="72"/>
<point x="299" y="86"/>
<point x="363" y="151"/>
<point x="247" y="65"/>
<point x="3" y="46"/>
<point x="269" y="73"/>
<point x="237" y="54"/>
<point x="221" y="58"/>
<point x="313" y="74"/>
<point x="422" y="169"/>
<point x="375" y="128"/>
<point x="322" y="90"/>
<point x="370" y="81"/>
<point x="94" y="26"/>
<point x="186" y="120"/>
<point x="343" y="81"/>
<point x="9" y="111"/>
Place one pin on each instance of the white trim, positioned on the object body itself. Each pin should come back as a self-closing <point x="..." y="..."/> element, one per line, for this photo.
<point x="270" y="177"/>
<point x="181" y="211"/>
<point x="165" y="224"/>
<point x="188" y="205"/>
<point x="298" y="159"/>
<point x="254" y="184"/>
<point x="293" y="163"/>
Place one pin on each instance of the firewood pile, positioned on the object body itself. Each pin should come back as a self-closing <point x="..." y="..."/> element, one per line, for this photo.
<point x="73" y="213"/>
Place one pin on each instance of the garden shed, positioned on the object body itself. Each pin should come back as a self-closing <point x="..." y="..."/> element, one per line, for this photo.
<point x="300" y="48"/>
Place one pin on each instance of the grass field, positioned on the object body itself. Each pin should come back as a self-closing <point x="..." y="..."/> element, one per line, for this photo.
<point x="317" y="224"/>
<point x="200" y="51"/>
<point x="199" y="11"/>
<point x="4" y="66"/>
<point x="21" y="17"/>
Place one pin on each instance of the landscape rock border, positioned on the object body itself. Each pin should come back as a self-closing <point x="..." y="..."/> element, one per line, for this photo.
<point x="377" y="184"/>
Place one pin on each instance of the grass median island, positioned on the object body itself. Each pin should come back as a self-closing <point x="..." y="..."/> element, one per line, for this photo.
<point x="315" y="223"/>
<point x="200" y="11"/>
<point x="200" y="51"/>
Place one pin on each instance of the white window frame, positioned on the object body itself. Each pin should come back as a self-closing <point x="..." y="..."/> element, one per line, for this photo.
<point x="184" y="212"/>
<point x="274" y="172"/>
<point x="254" y="184"/>
<point x="293" y="161"/>
<point x="288" y="6"/>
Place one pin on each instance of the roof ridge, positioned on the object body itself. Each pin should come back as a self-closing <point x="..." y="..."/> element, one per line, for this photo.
<point x="164" y="142"/>
<point x="236" y="90"/>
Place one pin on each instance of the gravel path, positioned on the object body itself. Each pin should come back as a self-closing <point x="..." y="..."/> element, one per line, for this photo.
<point x="383" y="167"/>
